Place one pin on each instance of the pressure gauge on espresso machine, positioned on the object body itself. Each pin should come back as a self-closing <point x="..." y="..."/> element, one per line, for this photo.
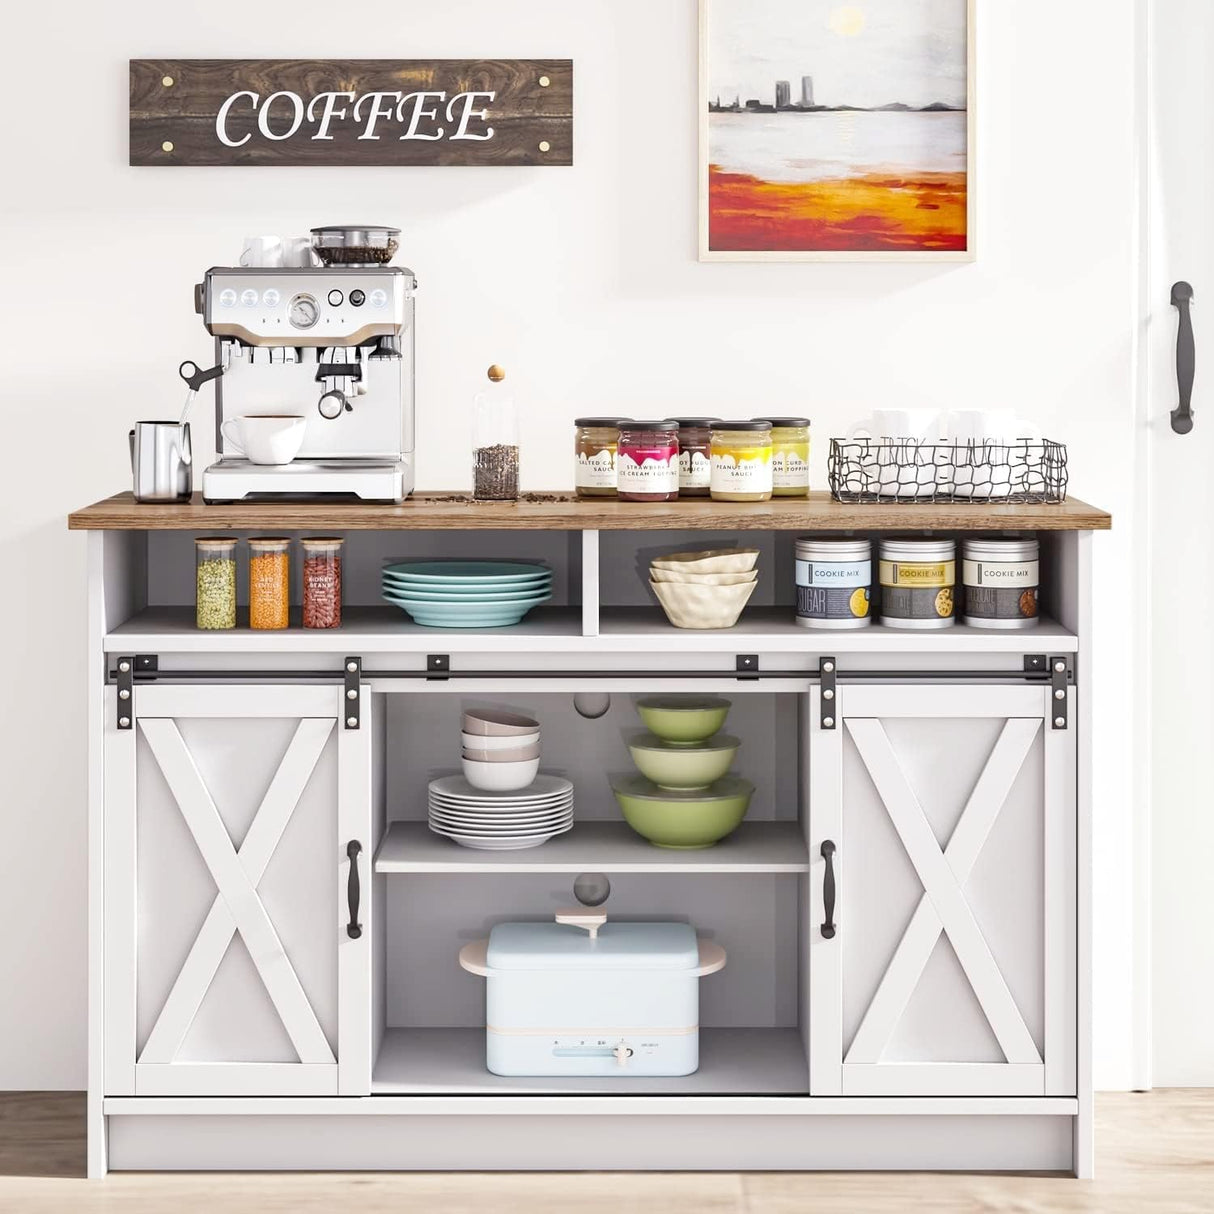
<point x="304" y="311"/>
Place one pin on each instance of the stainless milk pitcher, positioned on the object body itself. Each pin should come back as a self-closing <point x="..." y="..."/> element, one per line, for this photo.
<point x="161" y="461"/>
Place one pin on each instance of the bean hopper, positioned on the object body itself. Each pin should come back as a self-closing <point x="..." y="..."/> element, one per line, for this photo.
<point x="331" y="342"/>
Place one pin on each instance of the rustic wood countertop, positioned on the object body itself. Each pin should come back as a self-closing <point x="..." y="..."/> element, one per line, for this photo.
<point x="561" y="512"/>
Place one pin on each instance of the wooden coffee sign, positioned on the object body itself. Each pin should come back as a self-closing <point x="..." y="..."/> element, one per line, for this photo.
<point x="348" y="112"/>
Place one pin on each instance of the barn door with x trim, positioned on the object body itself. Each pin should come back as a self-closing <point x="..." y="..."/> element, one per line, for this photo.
<point x="230" y="966"/>
<point x="949" y="965"/>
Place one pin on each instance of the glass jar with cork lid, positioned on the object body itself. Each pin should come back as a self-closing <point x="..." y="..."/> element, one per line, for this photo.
<point x="494" y="442"/>
<point x="269" y="583"/>
<point x="215" y="582"/>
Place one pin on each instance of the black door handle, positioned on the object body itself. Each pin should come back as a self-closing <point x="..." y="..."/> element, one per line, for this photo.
<point x="828" y="889"/>
<point x="1186" y="358"/>
<point x="353" y="893"/>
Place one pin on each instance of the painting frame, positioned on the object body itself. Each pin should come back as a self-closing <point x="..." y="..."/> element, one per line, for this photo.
<point x="939" y="256"/>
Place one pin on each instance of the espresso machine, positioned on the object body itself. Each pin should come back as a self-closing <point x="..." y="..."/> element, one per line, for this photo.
<point x="330" y="342"/>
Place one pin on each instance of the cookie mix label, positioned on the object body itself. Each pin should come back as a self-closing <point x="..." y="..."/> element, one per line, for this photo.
<point x="595" y="471"/>
<point x="834" y="573"/>
<point x="650" y="476"/>
<point x="901" y="573"/>
<point x="999" y="573"/>
<point x="695" y="470"/>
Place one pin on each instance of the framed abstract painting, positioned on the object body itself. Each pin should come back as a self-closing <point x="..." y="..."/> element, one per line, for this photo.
<point x="836" y="130"/>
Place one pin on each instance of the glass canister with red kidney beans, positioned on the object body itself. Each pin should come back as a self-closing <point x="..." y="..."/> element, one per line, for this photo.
<point x="647" y="461"/>
<point x="321" y="582"/>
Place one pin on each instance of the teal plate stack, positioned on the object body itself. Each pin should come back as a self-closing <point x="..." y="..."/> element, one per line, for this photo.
<point x="467" y="594"/>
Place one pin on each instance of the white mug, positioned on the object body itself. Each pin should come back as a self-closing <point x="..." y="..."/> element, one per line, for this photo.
<point x="901" y="469"/>
<point x="266" y="438"/>
<point x="986" y="441"/>
<point x="922" y="425"/>
<point x="262" y="252"/>
<point x="297" y="253"/>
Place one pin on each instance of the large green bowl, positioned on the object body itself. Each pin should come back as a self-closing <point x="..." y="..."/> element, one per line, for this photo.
<point x="683" y="719"/>
<point x="683" y="820"/>
<point x="675" y="765"/>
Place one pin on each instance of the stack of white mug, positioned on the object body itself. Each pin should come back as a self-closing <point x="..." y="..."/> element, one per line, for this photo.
<point x="959" y="453"/>
<point x="278" y="253"/>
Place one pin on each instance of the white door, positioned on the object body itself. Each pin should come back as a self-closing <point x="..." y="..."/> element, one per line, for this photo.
<point x="1181" y="579"/>
<point x="942" y="908"/>
<point x="238" y="944"/>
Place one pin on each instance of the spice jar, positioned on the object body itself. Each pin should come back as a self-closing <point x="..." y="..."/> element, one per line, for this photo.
<point x="789" y="456"/>
<point x="594" y="446"/>
<point x="695" y="455"/>
<point x="647" y="461"/>
<point x="833" y="580"/>
<point x="741" y="461"/>
<point x="321" y="583"/>
<point x="1001" y="579"/>
<point x="269" y="583"/>
<point x="917" y="580"/>
<point x="215" y="583"/>
<point x="494" y="443"/>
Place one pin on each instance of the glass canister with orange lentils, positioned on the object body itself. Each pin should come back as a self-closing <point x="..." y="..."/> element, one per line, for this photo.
<point x="269" y="583"/>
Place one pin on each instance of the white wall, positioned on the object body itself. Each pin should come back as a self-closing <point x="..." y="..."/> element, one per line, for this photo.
<point x="582" y="282"/>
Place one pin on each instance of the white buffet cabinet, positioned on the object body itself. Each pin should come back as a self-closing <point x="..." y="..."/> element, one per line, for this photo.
<point x="274" y="931"/>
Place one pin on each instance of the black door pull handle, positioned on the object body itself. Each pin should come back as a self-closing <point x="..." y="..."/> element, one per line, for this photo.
<point x="828" y="889"/>
<point x="1186" y="358"/>
<point x="353" y="893"/>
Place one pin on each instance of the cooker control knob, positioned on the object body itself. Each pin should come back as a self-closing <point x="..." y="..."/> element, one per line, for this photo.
<point x="622" y="1053"/>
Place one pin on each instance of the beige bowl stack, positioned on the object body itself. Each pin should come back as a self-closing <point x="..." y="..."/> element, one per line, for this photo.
<point x="705" y="589"/>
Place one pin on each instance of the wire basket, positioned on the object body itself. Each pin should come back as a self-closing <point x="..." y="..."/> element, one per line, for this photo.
<point x="905" y="470"/>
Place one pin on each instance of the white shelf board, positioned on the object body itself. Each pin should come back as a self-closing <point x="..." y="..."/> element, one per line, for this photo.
<point x="604" y="847"/>
<point x="776" y="629"/>
<point x="387" y="630"/>
<point x="451" y="1062"/>
<point x="363" y="629"/>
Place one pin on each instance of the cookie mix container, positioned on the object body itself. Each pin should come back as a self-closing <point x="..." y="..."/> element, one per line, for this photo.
<point x="1000" y="579"/>
<point x="833" y="581"/>
<point x="917" y="583"/>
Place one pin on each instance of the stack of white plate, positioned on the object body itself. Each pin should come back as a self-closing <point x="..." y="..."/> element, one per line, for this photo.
<point x="501" y="821"/>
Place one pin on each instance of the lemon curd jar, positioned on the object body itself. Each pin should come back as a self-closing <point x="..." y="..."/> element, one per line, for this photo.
<point x="918" y="583"/>
<point x="789" y="456"/>
<point x="741" y="461"/>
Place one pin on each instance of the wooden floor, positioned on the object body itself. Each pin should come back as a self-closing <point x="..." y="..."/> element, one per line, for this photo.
<point x="1155" y="1153"/>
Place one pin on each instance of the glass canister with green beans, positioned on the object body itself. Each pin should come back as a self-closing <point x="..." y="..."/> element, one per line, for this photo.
<point x="215" y="583"/>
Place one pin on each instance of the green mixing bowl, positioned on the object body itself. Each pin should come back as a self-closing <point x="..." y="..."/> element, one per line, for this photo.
<point x="683" y="719"/>
<point x="675" y="765"/>
<point x="683" y="819"/>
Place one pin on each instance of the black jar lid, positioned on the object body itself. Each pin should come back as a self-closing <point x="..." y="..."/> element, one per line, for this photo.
<point x="590" y="423"/>
<point x="751" y="424"/>
<point x="696" y="423"/>
<point x="642" y="425"/>
<point x="788" y="422"/>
